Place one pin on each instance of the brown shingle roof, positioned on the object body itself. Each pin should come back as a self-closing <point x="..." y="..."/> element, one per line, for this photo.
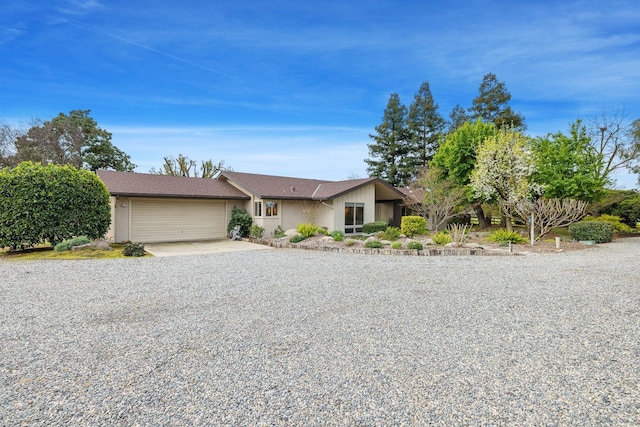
<point x="151" y="185"/>
<point x="283" y="187"/>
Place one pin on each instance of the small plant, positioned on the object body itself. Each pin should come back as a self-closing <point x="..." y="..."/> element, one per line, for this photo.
<point x="412" y="225"/>
<point x="349" y="242"/>
<point x="373" y="244"/>
<point x="66" y="245"/>
<point x="278" y="232"/>
<point x="598" y="231"/>
<point x="307" y="230"/>
<point x="323" y="231"/>
<point x="459" y="233"/>
<point x="442" y="238"/>
<point x="396" y="245"/>
<point x="297" y="238"/>
<point x="374" y="227"/>
<point x="338" y="236"/>
<point x="133" y="249"/>
<point x="256" y="231"/>
<point x="390" y="234"/>
<point x="242" y="218"/>
<point x="504" y="236"/>
<point x="414" y="245"/>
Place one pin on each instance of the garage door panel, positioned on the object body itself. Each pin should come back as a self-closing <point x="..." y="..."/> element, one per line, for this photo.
<point x="166" y="220"/>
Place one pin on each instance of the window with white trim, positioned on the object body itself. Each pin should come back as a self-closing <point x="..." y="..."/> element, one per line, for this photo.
<point x="353" y="217"/>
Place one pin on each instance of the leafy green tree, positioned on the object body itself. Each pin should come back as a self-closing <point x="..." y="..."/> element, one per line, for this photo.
<point x="425" y="126"/>
<point x="503" y="169"/>
<point x="568" y="165"/>
<point x="491" y="104"/>
<point x="389" y="154"/>
<point x="50" y="204"/>
<point x="622" y="203"/>
<point x="74" y="140"/>
<point x="456" y="156"/>
<point x="184" y="166"/>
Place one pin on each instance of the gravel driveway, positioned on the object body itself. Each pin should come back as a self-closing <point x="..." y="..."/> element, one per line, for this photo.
<point x="289" y="337"/>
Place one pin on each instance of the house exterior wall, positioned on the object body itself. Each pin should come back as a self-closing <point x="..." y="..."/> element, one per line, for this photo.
<point x="366" y="195"/>
<point x="384" y="211"/>
<point x="120" y="219"/>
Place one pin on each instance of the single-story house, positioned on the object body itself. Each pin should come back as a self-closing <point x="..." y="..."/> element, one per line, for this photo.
<point x="159" y="208"/>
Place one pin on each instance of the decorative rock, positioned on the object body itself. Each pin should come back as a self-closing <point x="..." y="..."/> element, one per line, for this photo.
<point x="428" y="241"/>
<point x="370" y="239"/>
<point x="291" y="232"/>
<point x="326" y="239"/>
<point x="101" y="245"/>
<point x="472" y="246"/>
<point x="452" y="245"/>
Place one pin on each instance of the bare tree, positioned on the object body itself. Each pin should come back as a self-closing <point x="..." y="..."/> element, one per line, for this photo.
<point x="310" y="208"/>
<point x="435" y="198"/>
<point x="551" y="213"/>
<point x="617" y="139"/>
<point x="184" y="166"/>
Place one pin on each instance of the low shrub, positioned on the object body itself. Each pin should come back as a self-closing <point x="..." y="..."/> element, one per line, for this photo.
<point x="412" y="225"/>
<point x="374" y="227"/>
<point x="414" y="245"/>
<point x="256" y="231"/>
<point x="373" y="244"/>
<point x="307" y="229"/>
<point x="278" y="232"/>
<point x="349" y="242"/>
<point x="133" y="249"/>
<point x="66" y="245"/>
<point x="504" y="236"/>
<point x="442" y="238"/>
<point x="338" y="236"/>
<point x="598" y="231"/>
<point x="396" y="245"/>
<point x="297" y="238"/>
<point x="323" y="230"/>
<point x="390" y="234"/>
<point x="615" y="221"/>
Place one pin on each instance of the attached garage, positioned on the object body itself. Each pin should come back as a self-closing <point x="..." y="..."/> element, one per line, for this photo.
<point x="172" y="220"/>
<point x="152" y="208"/>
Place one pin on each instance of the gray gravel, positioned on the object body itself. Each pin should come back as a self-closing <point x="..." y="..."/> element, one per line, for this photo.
<point x="289" y="337"/>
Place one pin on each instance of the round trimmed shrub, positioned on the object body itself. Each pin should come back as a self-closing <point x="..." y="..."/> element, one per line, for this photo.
<point x="374" y="244"/>
<point x="442" y="238"/>
<point x="598" y="231"/>
<point x="396" y="245"/>
<point x="504" y="236"/>
<point x="412" y="225"/>
<point x="338" y="236"/>
<point x="297" y="238"/>
<point x="414" y="245"/>
<point x="374" y="227"/>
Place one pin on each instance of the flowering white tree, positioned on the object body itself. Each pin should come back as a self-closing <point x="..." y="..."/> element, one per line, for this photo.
<point x="504" y="163"/>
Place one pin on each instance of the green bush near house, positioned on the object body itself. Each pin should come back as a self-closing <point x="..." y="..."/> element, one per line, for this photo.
<point x="66" y="245"/>
<point x="374" y="227"/>
<point x="297" y="238"/>
<point x="414" y="245"/>
<point x="133" y="249"/>
<point x="412" y="225"/>
<point x="504" y="236"/>
<point x="242" y="218"/>
<point x="597" y="231"/>
<point x="373" y="244"/>
<point x="338" y="236"/>
<point x="442" y="238"/>
<point x="307" y="230"/>
<point x="396" y="245"/>
<point x="390" y="233"/>
<point x="256" y="231"/>
<point x="278" y="232"/>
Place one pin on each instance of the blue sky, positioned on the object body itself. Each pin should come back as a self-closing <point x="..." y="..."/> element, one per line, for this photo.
<point x="295" y="88"/>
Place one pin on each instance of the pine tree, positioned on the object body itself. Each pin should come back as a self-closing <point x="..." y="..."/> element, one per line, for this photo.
<point x="425" y="126"/>
<point x="491" y="104"/>
<point x="389" y="154"/>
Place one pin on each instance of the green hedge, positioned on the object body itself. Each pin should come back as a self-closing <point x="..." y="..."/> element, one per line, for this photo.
<point x="374" y="227"/>
<point x="598" y="231"/>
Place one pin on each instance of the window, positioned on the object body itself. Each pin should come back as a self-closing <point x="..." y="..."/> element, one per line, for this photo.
<point x="271" y="209"/>
<point x="257" y="208"/>
<point x="353" y="217"/>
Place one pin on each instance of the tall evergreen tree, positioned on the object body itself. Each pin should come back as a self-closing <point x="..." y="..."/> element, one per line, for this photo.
<point x="457" y="117"/>
<point x="389" y="154"/>
<point x="425" y="126"/>
<point x="491" y="104"/>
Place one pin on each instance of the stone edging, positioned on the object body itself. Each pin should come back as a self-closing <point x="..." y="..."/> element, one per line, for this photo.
<point x="437" y="251"/>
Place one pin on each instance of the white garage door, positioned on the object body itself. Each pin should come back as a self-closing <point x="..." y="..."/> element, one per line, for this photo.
<point x="173" y="220"/>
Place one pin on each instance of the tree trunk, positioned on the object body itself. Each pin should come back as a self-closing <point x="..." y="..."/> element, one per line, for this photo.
<point x="482" y="221"/>
<point x="507" y="223"/>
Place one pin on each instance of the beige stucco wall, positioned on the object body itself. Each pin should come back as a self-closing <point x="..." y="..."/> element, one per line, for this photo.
<point x="384" y="211"/>
<point x="366" y="195"/>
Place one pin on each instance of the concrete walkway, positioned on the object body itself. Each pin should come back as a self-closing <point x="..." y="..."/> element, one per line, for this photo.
<point x="204" y="247"/>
